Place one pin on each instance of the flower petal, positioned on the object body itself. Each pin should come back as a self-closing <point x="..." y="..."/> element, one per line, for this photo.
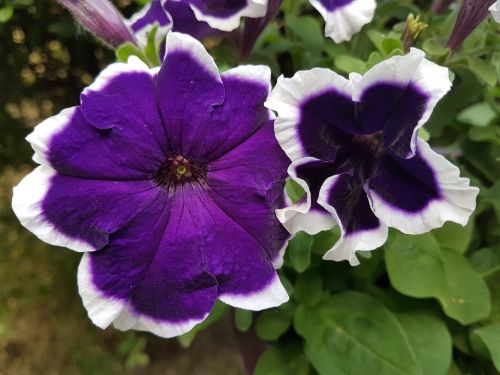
<point x="71" y="145"/>
<point x="307" y="215"/>
<point x="398" y="96"/>
<point x="143" y="21"/>
<point x="167" y="281"/>
<point x="495" y="11"/>
<point x="248" y="185"/>
<point x="344" y="18"/>
<point x="77" y="213"/>
<point x="315" y="113"/>
<point x="185" y="21"/>
<point x="189" y="89"/>
<point x="346" y="200"/>
<point x="419" y="194"/>
<point x="226" y="15"/>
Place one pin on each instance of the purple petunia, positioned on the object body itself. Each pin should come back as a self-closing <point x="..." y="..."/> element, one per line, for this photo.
<point x="344" y="18"/>
<point x="168" y="180"/>
<point x="198" y="18"/>
<point x="356" y="152"/>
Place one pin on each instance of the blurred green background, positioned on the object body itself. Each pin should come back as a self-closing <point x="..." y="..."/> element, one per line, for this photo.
<point x="45" y="61"/>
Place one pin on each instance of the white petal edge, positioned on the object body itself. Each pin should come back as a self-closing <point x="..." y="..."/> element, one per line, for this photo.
<point x="43" y="133"/>
<point x="495" y="11"/>
<point x="272" y="295"/>
<point x="457" y="205"/>
<point x="254" y="9"/>
<point x="27" y="205"/>
<point x="412" y="68"/>
<point x="347" y="245"/>
<point x="104" y="311"/>
<point x="342" y="23"/>
<point x="142" y="35"/>
<point x="186" y="43"/>
<point x="299" y="216"/>
<point x="290" y="93"/>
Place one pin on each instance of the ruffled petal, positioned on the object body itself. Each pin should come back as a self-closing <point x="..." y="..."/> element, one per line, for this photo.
<point x="185" y="21"/>
<point x="495" y="11"/>
<point x="419" y="194"/>
<point x="308" y="215"/>
<point x="226" y="15"/>
<point x="345" y="199"/>
<point x="397" y="96"/>
<point x="315" y="113"/>
<point x="189" y="90"/>
<point x="344" y="18"/>
<point x="77" y="213"/>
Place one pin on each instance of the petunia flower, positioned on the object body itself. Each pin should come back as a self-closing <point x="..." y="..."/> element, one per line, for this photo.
<point x="142" y="22"/>
<point x="356" y="152"/>
<point x="495" y="11"/>
<point x="344" y="18"/>
<point x="168" y="180"/>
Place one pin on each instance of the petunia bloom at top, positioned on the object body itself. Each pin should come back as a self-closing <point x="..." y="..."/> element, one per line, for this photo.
<point x="193" y="16"/>
<point x="168" y="180"/>
<point x="356" y="152"/>
<point x="344" y="18"/>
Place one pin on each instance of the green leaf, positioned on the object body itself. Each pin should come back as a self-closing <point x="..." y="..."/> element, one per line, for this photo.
<point x="243" y="319"/>
<point x="299" y="251"/>
<point x="429" y="339"/>
<point x="271" y="324"/>
<point x="454" y="236"/>
<point x="285" y="359"/>
<point x="151" y="50"/>
<point x="294" y="191"/>
<point x="308" y="288"/>
<point x="128" y="49"/>
<point x="486" y="341"/>
<point x="435" y="47"/>
<point x="307" y="29"/>
<point x="350" y="64"/>
<point x="353" y="334"/>
<point x="417" y="267"/>
<point x="6" y="13"/>
<point x="483" y="70"/>
<point x="479" y="114"/>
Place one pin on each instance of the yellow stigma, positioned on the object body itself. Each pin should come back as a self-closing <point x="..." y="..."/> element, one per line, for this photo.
<point x="181" y="170"/>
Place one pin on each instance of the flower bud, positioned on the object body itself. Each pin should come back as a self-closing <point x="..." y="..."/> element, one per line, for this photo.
<point x="471" y="14"/>
<point x="101" y="18"/>
<point x="412" y="31"/>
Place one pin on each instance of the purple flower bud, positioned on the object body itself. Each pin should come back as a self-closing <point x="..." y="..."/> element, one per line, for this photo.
<point x="471" y="14"/>
<point x="101" y="18"/>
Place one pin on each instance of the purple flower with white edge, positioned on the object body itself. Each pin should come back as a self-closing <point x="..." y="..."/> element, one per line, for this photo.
<point x="344" y="18"/>
<point x="142" y="22"/>
<point x="168" y="180"/>
<point x="355" y="150"/>
<point x="226" y="15"/>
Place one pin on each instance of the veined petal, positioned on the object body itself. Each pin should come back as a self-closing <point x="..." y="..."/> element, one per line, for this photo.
<point x="344" y="18"/>
<point x="248" y="185"/>
<point x="315" y="113"/>
<point x="419" y="194"/>
<point x="77" y="213"/>
<point x="226" y="16"/>
<point x="307" y="215"/>
<point x="142" y="22"/>
<point x="189" y="89"/>
<point x="398" y="96"/>
<point x="168" y="281"/>
<point x="346" y="200"/>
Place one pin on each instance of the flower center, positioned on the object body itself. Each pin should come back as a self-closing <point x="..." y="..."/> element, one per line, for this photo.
<point x="374" y="142"/>
<point x="178" y="171"/>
